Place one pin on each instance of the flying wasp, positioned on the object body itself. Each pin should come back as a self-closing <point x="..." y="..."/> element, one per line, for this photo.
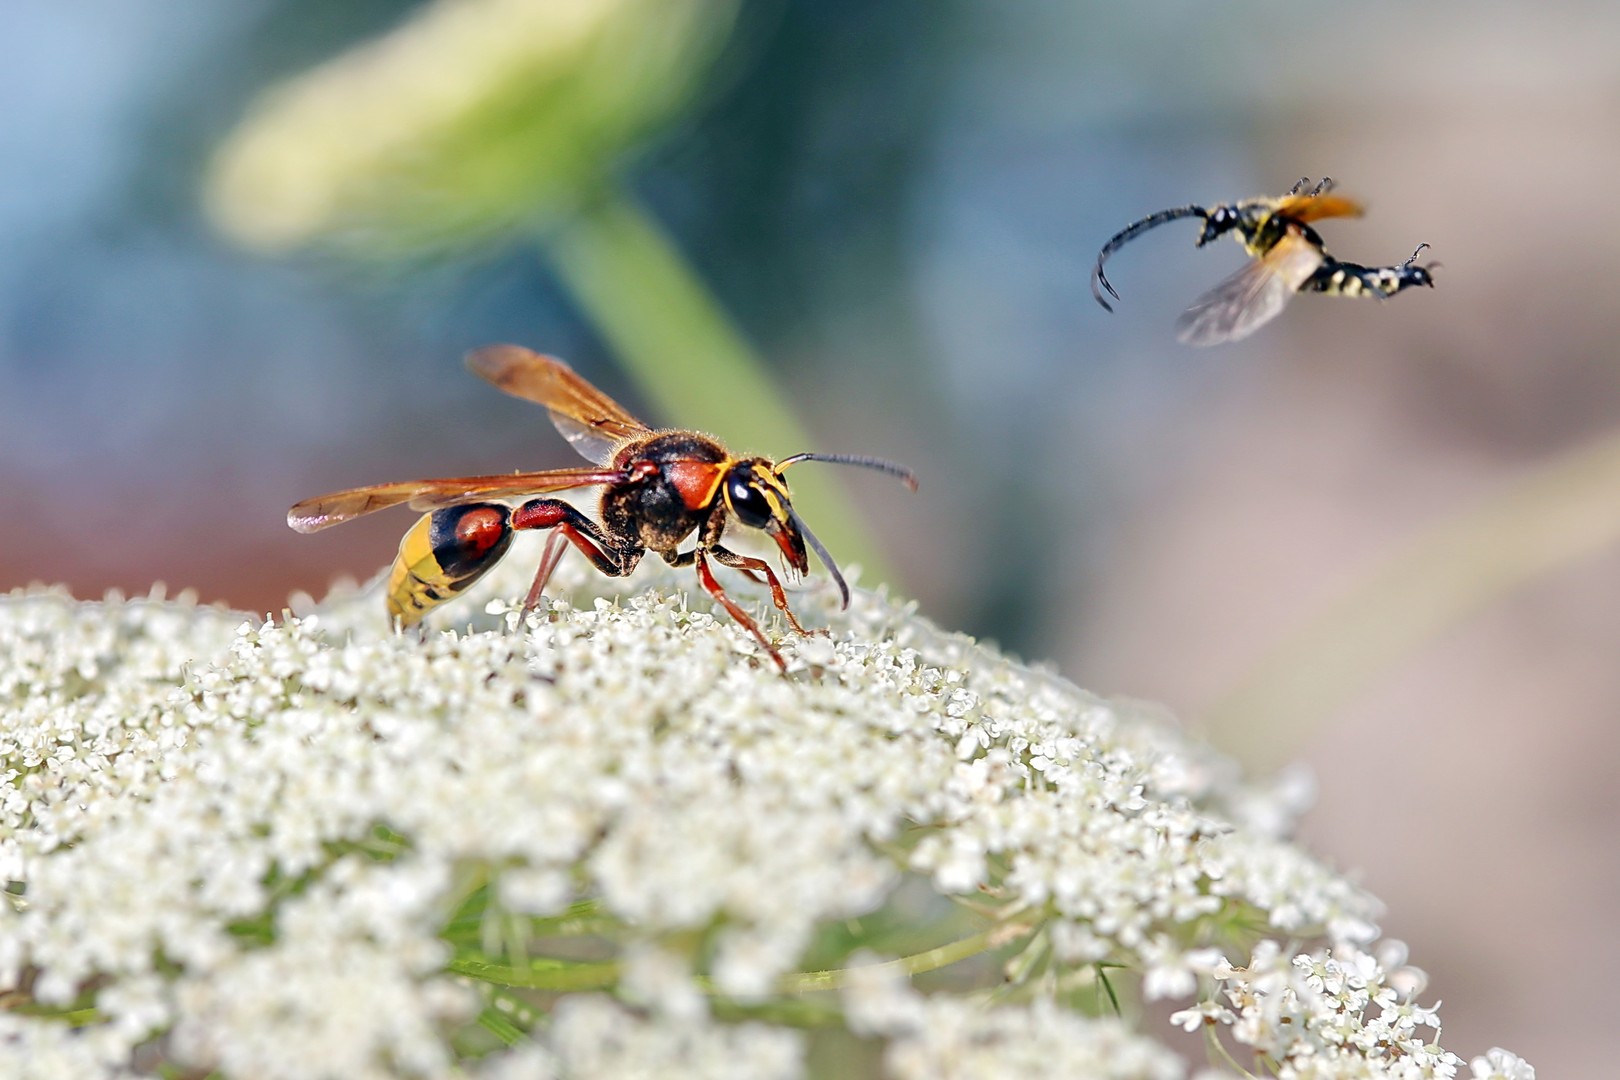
<point x="658" y="488"/>
<point x="1288" y="257"/>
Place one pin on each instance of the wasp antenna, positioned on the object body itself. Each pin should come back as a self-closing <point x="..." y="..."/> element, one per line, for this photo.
<point x="821" y="553"/>
<point x="1299" y="185"/>
<point x="1415" y="254"/>
<point x="900" y="472"/>
<point x="1322" y="188"/>
<point x="1099" y="280"/>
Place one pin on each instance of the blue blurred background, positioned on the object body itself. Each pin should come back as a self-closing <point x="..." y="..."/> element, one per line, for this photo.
<point x="898" y="205"/>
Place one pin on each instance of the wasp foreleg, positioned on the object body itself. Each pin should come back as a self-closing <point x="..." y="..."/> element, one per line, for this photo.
<point x="711" y="586"/>
<point x="747" y="563"/>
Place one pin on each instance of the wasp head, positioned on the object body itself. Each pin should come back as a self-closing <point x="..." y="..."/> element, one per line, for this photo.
<point x="757" y="497"/>
<point x="1219" y="221"/>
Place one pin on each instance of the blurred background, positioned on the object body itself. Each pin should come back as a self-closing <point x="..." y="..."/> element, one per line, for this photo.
<point x="243" y="247"/>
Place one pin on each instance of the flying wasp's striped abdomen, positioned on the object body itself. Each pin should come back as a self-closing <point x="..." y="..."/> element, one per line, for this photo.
<point x="1351" y="279"/>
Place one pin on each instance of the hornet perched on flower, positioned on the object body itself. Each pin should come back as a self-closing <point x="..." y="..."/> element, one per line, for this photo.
<point x="658" y="488"/>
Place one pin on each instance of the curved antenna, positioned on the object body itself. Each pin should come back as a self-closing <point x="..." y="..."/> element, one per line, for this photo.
<point x="1414" y="255"/>
<point x="821" y="553"/>
<point x="1125" y="236"/>
<point x="900" y="472"/>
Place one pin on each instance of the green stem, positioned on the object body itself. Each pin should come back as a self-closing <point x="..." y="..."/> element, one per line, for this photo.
<point x="1221" y="1053"/>
<point x="567" y="975"/>
<point x="915" y="964"/>
<point x="650" y="306"/>
<point x="1108" y="985"/>
<point x="560" y="976"/>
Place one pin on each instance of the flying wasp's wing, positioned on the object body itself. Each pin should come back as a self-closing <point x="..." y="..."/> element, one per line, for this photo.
<point x="593" y="423"/>
<point x="1253" y="296"/>
<point x="1306" y="208"/>
<point x="315" y="514"/>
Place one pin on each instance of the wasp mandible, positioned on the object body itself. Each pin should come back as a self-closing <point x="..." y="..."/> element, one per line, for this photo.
<point x="658" y="488"/>
<point x="1288" y="257"/>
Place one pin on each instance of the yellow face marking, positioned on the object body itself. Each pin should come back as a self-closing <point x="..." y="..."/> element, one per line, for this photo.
<point x="775" y="492"/>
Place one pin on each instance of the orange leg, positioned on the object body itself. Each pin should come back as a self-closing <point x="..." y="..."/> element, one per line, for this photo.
<point x="746" y="564"/>
<point x="712" y="587"/>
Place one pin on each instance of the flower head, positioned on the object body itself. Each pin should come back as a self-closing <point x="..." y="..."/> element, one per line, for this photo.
<point x="315" y="847"/>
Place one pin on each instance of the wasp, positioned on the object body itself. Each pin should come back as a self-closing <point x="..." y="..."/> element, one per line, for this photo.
<point x="658" y="488"/>
<point x="1288" y="257"/>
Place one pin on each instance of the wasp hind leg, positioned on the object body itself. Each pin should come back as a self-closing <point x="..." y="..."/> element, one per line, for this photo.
<point x="613" y="556"/>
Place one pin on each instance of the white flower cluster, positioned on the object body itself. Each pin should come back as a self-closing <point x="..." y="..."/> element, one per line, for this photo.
<point x="948" y="1035"/>
<point x="1337" y="1013"/>
<point x="312" y="848"/>
<point x="591" y="1036"/>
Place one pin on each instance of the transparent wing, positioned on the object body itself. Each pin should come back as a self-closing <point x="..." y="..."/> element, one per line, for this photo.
<point x="593" y="423"/>
<point x="1252" y="297"/>
<point x="318" y="513"/>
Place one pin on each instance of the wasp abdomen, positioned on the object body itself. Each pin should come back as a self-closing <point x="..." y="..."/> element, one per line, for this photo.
<point x="1351" y="279"/>
<point x="444" y="553"/>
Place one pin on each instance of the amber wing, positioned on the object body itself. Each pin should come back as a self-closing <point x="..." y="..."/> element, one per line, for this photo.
<point x="1307" y="208"/>
<point x="593" y="423"/>
<point x="318" y="513"/>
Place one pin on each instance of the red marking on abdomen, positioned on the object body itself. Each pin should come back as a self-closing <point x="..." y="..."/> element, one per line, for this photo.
<point x="480" y="530"/>
<point x="544" y="515"/>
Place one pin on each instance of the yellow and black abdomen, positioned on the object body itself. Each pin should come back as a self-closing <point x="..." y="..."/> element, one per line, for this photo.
<point x="444" y="553"/>
<point x="1337" y="278"/>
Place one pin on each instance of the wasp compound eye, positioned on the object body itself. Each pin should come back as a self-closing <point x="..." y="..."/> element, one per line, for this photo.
<point x="747" y="502"/>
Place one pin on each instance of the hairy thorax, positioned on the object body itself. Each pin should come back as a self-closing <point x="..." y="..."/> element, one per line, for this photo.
<point x="671" y="492"/>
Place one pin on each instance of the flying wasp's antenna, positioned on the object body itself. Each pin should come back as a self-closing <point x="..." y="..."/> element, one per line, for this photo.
<point x="1125" y="236"/>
